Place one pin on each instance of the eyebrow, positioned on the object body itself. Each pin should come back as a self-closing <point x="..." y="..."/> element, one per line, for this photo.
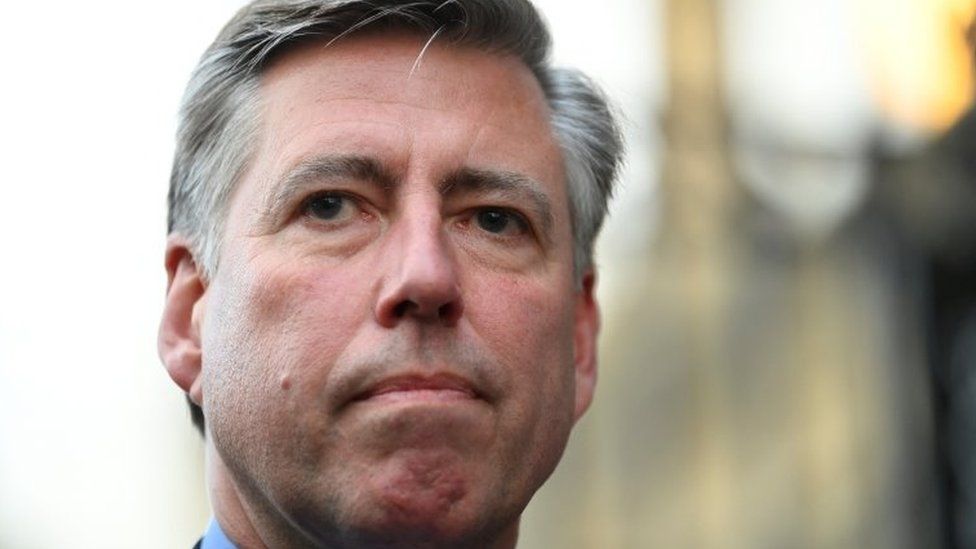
<point x="510" y="185"/>
<point x="310" y="172"/>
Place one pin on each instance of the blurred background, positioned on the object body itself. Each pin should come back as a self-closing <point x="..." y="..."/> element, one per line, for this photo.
<point x="788" y="278"/>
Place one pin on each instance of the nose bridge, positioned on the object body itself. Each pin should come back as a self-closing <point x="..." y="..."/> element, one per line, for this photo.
<point x="423" y="252"/>
<point x="421" y="277"/>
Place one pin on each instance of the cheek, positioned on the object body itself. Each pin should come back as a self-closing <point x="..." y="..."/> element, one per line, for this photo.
<point x="293" y="306"/>
<point x="274" y="328"/>
<point x="528" y="325"/>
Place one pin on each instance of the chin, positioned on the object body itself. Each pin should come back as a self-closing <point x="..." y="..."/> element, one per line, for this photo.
<point x="427" y="499"/>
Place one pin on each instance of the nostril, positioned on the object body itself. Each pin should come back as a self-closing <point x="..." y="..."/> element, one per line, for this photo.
<point x="401" y="309"/>
<point x="425" y="304"/>
<point x="450" y="312"/>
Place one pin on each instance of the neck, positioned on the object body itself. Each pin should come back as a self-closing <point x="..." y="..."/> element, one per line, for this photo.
<point x="228" y="506"/>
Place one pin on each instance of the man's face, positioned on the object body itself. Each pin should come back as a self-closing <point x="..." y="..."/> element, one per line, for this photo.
<point x="393" y="341"/>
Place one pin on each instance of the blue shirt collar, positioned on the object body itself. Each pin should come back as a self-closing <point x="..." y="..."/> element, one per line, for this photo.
<point x="215" y="538"/>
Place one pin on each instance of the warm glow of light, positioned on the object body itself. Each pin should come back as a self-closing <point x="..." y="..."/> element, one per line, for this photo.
<point x="919" y="61"/>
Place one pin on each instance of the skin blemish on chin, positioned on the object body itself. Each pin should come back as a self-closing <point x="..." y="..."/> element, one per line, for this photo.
<point x="423" y="488"/>
<point x="285" y="382"/>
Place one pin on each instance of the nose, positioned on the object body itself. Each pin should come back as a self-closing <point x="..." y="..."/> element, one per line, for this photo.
<point x="421" y="279"/>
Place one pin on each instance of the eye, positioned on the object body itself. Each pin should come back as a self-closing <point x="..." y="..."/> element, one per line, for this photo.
<point x="501" y="222"/>
<point x="327" y="207"/>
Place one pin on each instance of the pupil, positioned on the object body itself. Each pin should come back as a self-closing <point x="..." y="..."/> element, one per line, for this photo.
<point x="492" y="221"/>
<point x="325" y="207"/>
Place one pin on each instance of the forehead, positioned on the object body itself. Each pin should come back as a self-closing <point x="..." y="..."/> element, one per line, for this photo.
<point x="408" y="102"/>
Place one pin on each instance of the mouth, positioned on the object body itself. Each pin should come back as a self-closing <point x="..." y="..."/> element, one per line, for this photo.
<point x="420" y="388"/>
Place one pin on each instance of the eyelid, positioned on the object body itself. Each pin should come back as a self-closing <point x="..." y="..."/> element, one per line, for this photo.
<point x="526" y="227"/>
<point x="355" y="201"/>
<point x="306" y="200"/>
<point x="520" y="219"/>
<point x="312" y="195"/>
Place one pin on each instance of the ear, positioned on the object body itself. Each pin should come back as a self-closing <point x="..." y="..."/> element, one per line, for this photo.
<point x="179" y="330"/>
<point x="587" y="325"/>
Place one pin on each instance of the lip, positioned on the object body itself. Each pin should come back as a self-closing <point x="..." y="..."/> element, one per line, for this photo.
<point x="413" y="387"/>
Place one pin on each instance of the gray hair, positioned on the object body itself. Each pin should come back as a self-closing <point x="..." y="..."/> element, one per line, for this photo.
<point x="218" y="122"/>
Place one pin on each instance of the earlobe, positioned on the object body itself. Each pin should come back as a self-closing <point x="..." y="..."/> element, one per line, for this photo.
<point x="586" y="328"/>
<point x="179" y="329"/>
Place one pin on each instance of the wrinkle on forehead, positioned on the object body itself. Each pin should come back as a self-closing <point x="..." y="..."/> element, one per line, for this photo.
<point x="340" y="100"/>
<point x="365" y="58"/>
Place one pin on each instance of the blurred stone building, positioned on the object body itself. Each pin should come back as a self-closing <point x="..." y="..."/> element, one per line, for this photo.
<point x="788" y="357"/>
